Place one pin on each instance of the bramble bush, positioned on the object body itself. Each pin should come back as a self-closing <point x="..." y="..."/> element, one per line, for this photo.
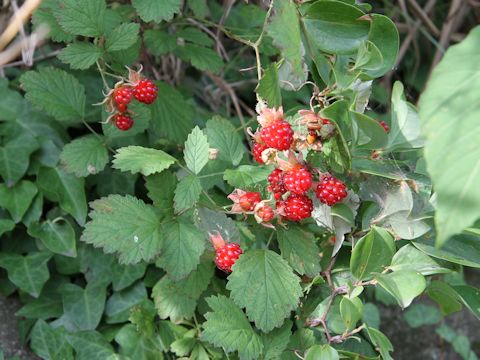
<point x="193" y="180"/>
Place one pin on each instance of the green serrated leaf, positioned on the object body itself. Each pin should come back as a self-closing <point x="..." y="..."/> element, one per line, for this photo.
<point x="159" y="42"/>
<point x="351" y="311"/>
<point x="223" y="136"/>
<point x="28" y="272"/>
<point x="184" y="244"/>
<point x="196" y="150"/>
<point x="57" y="92"/>
<point x="138" y="159"/>
<point x="161" y="189"/>
<point x="45" y="15"/>
<point x="201" y="57"/>
<point x="66" y="189"/>
<point x="84" y="307"/>
<point x="125" y="225"/>
<point x="227" y="327"/>
<point x="265" y="285"/>
<point x="269" y="87"/>
<point x="156" y="10"/>
<point x="298" y="247"/>
<point x="50" y="343"/>
<point x="177" y="300"/>
<point x="17" y="199"/>
<point x="80" y="55"/>
<point x="187" y="193"/>
<point x="85" y="18"/>
<point x="122" y="37"/>
<point x="84" y="156"/>
<point x="246" y="176"/>
<point x="372" y="253"/>
<point x="452" y="130"/>
<point x="276" y="341"/>
<point x="58" y="237"/>
<point x="381" y="343"/>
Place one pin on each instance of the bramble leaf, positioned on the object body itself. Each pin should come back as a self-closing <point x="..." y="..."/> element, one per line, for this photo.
<point x="138" y="159"/>
<point x="156" y="10"/>
<point x="84" y="156"/>
<point x="80" y="55"/>
<point x="196" y="150"/>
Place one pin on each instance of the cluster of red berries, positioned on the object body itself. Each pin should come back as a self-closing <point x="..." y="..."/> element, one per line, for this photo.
<point x="145" y="91"/>
<point x="291" y="181"/>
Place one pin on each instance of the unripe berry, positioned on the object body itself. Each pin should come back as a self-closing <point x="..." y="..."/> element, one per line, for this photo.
<point x="266" y="213"/>
<point x="123" y="122"/>
<point x="249" y="200"/>
<point x="331" y="190"/>
<point x="297" y="180"/>
<point x="145" y="91"/>
<point x="278" y="135"/>
<point x="227" y="255"/>
<point x="298" y="207"/>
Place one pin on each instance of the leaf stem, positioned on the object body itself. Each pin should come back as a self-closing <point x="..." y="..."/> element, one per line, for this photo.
<point x="102" y="74"/>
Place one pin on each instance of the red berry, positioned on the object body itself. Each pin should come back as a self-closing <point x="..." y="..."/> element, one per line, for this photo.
<point x="257" y="152"/>
<point x="297" y="180"/>
<point x="227" y="255"/>
<point x="298" y="207"/>
<point x="123" y="122"/>
<point x="385" y="126"/>
<point x="122" y="97"/>
<point x="276" y="182"/>
<point x="331" y="190"/>
<point x="278" y="135"/>
<point x="249" y="200"/>
<point x="145" y="91"/>
<point x="266" y="213"/>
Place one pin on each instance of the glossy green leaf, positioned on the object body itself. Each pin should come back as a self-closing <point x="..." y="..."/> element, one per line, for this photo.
<point x="404" y="285"/>
<point x="138" y="159"/>
<point x="470" y="296"/>
<point x="84" y="156"/>
<point x="66" y="189"/>
<point x="227" y="327"/>
<point x="372" y="253"/>
<point x="15" y="157"/>
<point x="452" y="131"/>
<point x="322" y="352"/>
<point x="196" y="150"/>
<point x="58" y="237"/>
<point x="445" y="296"/>
<point x="265" y="285"/>
<point x="410" y="258"/>
<point x="18" y="198"/>
<point x="6" y="225"/>
<point x="124" y="225"/>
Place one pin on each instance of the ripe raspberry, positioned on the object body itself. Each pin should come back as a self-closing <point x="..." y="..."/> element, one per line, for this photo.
<point x="122" y="97"/>
<point x="298" y="207"/>
<point x="227" y="255"/>
<point x="278" y="135"/>
<point x="145" y="91"/>
<point x="297" y="180"/>
<point x="257" y="152"/>
<point x="249" y="200"/>
<point x="276" y="182"/>
<point x="331" y="190"/>
<point x="266" y="213"/>
<point x="385" y="126"/>
<point x="123" y="122"/>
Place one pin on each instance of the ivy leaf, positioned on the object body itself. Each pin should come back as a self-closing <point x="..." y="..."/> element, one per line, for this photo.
<point x="187" y="193"/>
<point x="66" y="189"/>
<point x="172" y="115"/>
<point x="135" y="346"/>
<point x="184" y="244"/>
<point x="146" y="161"/>
<point x="120" y="303"/>
<point x="125" y="275"/>
<point x="56" y="92"/>
<point x="84" y="307"/>
<point x="15" y="157"/>
<point x="28" y="272"/>
<point x="6" y="225"/>
<point x="372" y="253"/>
<point x="90" y="345"/>
<point x="300" y="250"/>
<point x="156" y="10"/>
<point x="58" y="237"/>
<point x="451" y="127"/>
<point x="246" y="176"/>
<point x="403" y="285"/>
<point x="84" y="156"/>
<point x="85" y="18"/>
<point x="227" y="327"/>
<point x="196" y="150"/>
<point x="18" y="198"/>
<point x="80" y="55"/>
<point x="50" y="343"/>
<point x="122" y="37"/>
<point x="269" y="87"/>
<point x="223" y="136"/>
<point x="265" y="285"/>
<point x="125" y="225"/>
<point x="177" y="300"/>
